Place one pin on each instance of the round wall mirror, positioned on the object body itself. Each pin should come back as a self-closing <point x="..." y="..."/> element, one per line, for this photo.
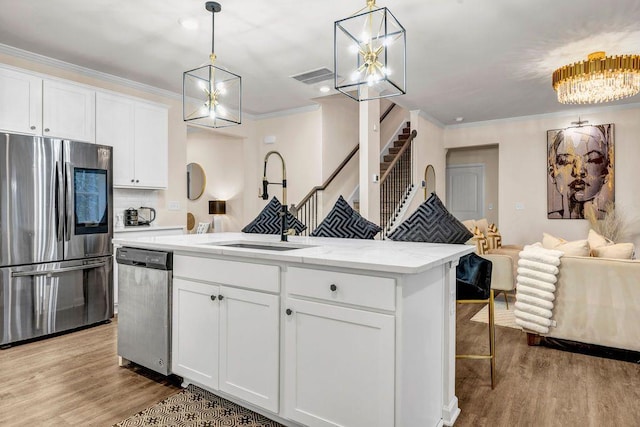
<point x="429" y="181"/>
<point x="196" y="181"/>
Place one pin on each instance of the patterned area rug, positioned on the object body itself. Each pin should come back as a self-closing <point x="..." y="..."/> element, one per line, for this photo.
<point x="193" y="407"/>
<point x="502" y="316"/>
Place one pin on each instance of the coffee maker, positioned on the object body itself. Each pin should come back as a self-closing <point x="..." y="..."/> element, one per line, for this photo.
<point x="130" y="217"/>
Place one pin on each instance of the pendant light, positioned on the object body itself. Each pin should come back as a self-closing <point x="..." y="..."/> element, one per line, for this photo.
<point x="369" y="50"/>
<point x="212" y="96"/>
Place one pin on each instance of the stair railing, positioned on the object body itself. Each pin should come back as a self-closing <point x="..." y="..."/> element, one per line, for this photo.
<point x="307" y="209"/>
<point x="395" y="183"/>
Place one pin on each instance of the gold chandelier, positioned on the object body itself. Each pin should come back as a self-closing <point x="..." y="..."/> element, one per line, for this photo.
<point x="598" y="79"/>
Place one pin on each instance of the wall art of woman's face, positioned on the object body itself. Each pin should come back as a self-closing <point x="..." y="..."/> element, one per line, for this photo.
<point x="580" y="164"/>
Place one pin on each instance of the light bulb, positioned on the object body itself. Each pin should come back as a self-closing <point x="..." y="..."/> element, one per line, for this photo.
<point x="220" y="86"/>
<point x="355" y="76"/>
<point x="354" y="48"/>
<point x="201" y="85"/>
<point x="212" y="113"/>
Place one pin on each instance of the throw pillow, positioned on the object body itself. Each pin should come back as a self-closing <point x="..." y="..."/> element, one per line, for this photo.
<point x="483" y="225"/>
<point x="617" y="251"/>
<point x="481" y="241"/>
<point x="494" y="239"/>
<point x="269" y="221"/>
<point x="342" y="221"/>
<point x="574" y="248"/>
<point x="596" y="240"/>
<point x="470" y="224"/>
<point x="433" y="223"/>
<point x="602" y="247"/>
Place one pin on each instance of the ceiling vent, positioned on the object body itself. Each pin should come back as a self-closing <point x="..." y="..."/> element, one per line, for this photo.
<point x="314" y="76"/>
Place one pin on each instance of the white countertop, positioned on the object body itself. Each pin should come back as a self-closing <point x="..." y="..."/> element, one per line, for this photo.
<point x="147" y="228"/>
<point x="375" y="255"/>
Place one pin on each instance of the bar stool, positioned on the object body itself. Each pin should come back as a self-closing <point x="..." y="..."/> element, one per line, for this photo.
<point x="473" y="284"/>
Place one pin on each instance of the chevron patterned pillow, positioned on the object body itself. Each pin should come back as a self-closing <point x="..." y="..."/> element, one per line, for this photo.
<point x="432" y="223"/>
<point x="269" y="221"/>
<point x="344" y="222"/>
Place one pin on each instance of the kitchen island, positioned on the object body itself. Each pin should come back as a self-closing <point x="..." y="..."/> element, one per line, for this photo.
<point x="317" y="331"/>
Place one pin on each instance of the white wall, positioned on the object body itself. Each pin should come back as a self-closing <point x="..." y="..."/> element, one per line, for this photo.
<point x="522" y="147"/>
<point x="221" y="157"/>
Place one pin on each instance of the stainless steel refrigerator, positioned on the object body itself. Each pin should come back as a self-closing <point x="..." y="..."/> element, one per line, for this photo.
<point x="56" y="226"/>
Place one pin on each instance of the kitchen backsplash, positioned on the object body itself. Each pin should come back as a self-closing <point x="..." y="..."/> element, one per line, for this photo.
<point x="125" y="198"/>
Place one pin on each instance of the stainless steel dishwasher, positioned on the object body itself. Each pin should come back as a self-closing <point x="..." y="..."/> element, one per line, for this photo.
<point x="144" y="308"/>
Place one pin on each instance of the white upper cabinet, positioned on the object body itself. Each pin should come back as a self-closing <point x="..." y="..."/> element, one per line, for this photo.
<point x="32" y="105"/>
<point x="20" y="102"/>
<point x="68" y="111"/>
<point x="138" y="133"/>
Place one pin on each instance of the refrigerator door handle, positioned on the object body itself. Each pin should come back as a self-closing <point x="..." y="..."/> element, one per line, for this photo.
<point x="60" y="202"/>
<point x="58" y="270"/>
<point x="69" y="202"/>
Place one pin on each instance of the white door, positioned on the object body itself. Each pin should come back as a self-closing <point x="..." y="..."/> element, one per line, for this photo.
<point x="151" y="148"/>
<point x="20" y="102"/>
<point x="465" y="191"/>
<point x="195" y="331"/>
<point x="115" y="127"/>
<point x="68" y="111"/>
<point x="250" y="346"/>
<point x="339" y="366"/>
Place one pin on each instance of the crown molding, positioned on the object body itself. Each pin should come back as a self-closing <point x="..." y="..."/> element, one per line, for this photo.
<point x="428" y="117"/>
<point x="289" y="112"/>
<point x="576" y="113"/>
<point x="88" y="72"/>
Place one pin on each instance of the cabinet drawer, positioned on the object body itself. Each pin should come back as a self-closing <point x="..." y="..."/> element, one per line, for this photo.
<point x="356" y="289"/>
<point x="246" y="275"/>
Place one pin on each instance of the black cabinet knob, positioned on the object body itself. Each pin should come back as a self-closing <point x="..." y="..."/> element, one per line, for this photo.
<point x="333" y="287"/>
<point x="33" y="128"/>
<point x="213" y="297"/>
<point x="220" y="297"/>
<point x="289" y="312"/>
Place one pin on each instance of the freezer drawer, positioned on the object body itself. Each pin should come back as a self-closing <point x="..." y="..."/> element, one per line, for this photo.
<point x="43" y="299"/>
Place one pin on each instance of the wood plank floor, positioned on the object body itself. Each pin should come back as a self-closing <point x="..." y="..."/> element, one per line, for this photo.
<point x="75" y="380"/>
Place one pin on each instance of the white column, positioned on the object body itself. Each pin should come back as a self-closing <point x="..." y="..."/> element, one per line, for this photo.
<point x="450" y="409"/>
<point x="370" y="160"/>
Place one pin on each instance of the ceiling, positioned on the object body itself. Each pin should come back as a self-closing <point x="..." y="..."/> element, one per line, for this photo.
<point x="476" y="59"/>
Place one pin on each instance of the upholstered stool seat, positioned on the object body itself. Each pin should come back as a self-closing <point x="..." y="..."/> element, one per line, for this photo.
<point x="473" y="286"/>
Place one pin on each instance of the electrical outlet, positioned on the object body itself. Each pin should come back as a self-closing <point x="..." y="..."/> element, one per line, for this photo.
<point x="174" y="206"/>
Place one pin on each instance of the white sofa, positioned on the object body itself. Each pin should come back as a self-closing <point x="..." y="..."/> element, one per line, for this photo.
<point x="597" y="301"/>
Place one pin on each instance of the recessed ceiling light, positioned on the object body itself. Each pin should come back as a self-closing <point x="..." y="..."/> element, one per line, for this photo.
<point x="459" y="119"/>
<point x="324" y="89"/>
<point x="188" y="23"/>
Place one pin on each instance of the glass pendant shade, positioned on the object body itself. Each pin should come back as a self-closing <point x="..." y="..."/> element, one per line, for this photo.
<point x="212" y="96"/>
<point x="370" y="55"/>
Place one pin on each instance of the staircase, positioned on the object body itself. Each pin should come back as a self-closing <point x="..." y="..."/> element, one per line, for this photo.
<point x="396" y="184"/>
<point x="395" y="149"/>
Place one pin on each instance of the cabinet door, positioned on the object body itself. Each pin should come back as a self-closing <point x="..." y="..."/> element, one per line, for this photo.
<point x="20" y="102"/>
<point x="68" y="111"/>
<point x="339" y="366"/>
<point x="249" y="346"/>
<point x="151" y="147"/>
<point x="195" y="332"/>
<point x="115" y="127"/>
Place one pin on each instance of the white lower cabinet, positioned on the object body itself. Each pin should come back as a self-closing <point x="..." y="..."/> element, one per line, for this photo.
<point x="227" y="339"/>
<point x="195" y="332"/>
<point x="339" y="365"/>
<point x="249" y="346"/>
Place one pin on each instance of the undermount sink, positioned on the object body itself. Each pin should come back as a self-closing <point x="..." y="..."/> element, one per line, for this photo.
<point x="261" y="246"/>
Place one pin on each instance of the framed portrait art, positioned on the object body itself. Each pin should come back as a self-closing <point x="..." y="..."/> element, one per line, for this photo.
<point x="580" y="166"/>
